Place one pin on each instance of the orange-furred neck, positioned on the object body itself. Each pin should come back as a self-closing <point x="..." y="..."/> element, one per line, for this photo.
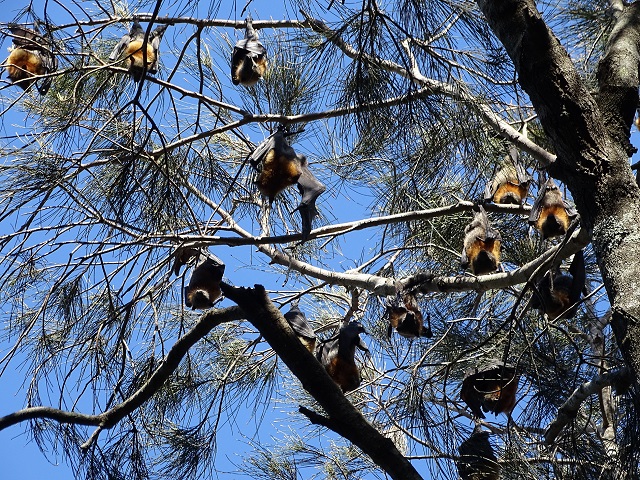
<point x="23" y="64"/>
<point x="278" y="172"/>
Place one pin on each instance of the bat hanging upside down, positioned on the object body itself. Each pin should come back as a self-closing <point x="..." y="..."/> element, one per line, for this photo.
<point x="551" y="214"/>
<point x="279" y="166"/>
<point x="511" y="183"/>
<point x="142" y="58"/>
<point x="204" y="285"/>
<point x="481" y="250"/>
<point x="477" y="460"/>
<point x="337" y="356"/>
<point x="249" y="58"/>
<point x="31" y="54"/>
<point x="405" y="316"/>
<point x="492" y="389"/>
<point x="557" y="294"/>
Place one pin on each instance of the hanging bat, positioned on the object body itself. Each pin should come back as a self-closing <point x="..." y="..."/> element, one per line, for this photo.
<point x="405" y="316"/>
<point x="249" y="58"/>
<point x="477" y="460"/>
<point x="204" y="285"/>
<point x="551" y="214"/>
<point x="337" y="356"/>
<point x="31" y="54"/>
<point x="511" y="183"/>
<point x="131" y="48"/>
<point x="558" y="294"/>
<point x="481" y="250"/>
<point x="301" y="327"/>
<point x="278" y="167"/>
<point x="492" y="389"/>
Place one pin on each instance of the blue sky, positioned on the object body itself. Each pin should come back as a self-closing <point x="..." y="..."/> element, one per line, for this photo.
<point x="20" y="457"/>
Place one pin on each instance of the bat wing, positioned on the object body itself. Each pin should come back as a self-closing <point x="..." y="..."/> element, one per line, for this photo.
<point x="27" y="38"/>
<point x="182" y="256"/>
<point x="538" y="204"/>
<point x="326" y="351"/>
<point x="492" y="233"/>
<point x="571" y="209"/>
<point x="521" y="173"/>
<point x="299" y="323"/>
<point x="156" y="36"/>
<point x="249" y="47"/>
<point x="136" y="32"/>
<point x="310" y="188"/>
<point x="481" y="226"/>
<point x="263" y="148"/>
<point x="488" y="193"/>
<point x="523" y="176"/>
<point x="214" y="265"/>
<point x="116" y="53"/>
<point x="464" y="258"/>
<point x="362" y="346"/>
<point x="471" y="396"/>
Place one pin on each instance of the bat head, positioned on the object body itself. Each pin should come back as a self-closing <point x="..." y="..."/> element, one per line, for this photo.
<point x="200" y="298"/>
<point x="487" y="257"/>
<point x="510" y="193"/>
<point x="553" y="221"/>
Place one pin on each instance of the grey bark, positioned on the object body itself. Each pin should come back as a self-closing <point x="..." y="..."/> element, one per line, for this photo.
<point x="592" y="157"/>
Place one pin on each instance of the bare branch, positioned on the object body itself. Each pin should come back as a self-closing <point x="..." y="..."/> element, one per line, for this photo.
<point x="343" y="417"/>
<point x="111" y="417"/>
<point x="569" y="409"/>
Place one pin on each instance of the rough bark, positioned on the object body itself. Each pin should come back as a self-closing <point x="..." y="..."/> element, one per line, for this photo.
<point x="591" y="157"/>
<point x="343" y="417"/>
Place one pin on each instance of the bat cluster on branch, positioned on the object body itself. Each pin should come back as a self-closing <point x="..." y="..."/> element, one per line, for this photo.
<point x="490" y="388"/>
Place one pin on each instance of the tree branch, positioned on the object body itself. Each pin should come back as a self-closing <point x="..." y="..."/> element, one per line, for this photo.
<point x="343" y="228"/>
<point x="111" y="417"/>
<point x="347" y="420"/>
<point x="618" y="75"/>
<point x="569" y="409"/>
<point x="457" y="92"/>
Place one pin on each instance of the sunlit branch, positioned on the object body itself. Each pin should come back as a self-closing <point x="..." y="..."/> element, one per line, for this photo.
<point x="570" y="407"/>
<point x="457" y="92"/>
<point x="290" y="119"/>
<point x="199" y="22"/>
<point x="345" y="228"/>
<point x="342" y="416"/>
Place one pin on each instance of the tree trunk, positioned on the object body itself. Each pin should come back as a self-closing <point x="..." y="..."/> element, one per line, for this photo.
<point x="592" y="149"/>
